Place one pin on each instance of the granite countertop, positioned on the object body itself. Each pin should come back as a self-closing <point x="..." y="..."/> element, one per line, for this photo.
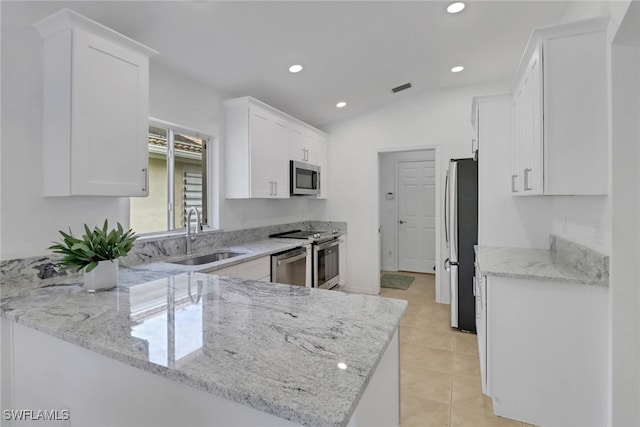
<point x="272" y="347"/>
<point x="536" y="264"/>
<point x="249" y="251"/>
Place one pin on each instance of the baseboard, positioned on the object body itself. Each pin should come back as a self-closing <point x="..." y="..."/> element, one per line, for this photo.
<point x="354" y="290"/>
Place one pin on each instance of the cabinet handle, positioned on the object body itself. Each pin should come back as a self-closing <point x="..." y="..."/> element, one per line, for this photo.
<point x="145" y="171"/>
<point x="275" y="183"/>
<point x="526" y="179"/>
<point x="514" y="189"/>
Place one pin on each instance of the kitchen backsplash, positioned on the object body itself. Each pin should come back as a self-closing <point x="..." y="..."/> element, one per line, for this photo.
<point x="566" y="252"/>
<point x="146" y="249"/>
<point x="171" y="246"/>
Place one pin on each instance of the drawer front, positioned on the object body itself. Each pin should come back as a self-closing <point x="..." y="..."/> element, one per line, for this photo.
<point x="255" y="269"/>
<point x="228" y="271"/>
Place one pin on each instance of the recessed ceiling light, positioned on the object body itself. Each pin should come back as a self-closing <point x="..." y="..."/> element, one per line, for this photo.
<point x="342" y="365"/>
<point x="455" y="7"/>
<point x="295" y="68"/>
<point x="341" y="104"/>
<point x="457" y="69"/>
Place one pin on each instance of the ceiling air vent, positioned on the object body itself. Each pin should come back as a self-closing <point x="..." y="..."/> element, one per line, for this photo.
<point x="401" y="87"/>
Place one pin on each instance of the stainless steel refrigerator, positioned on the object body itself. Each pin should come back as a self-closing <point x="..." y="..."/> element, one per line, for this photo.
<point x="461" y="232"/>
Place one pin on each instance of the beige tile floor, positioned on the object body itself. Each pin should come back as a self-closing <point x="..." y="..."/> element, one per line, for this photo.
<point x="439" y="368"/>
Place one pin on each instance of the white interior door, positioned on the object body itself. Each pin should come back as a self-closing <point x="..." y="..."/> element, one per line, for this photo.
<point x="417" y="216"/>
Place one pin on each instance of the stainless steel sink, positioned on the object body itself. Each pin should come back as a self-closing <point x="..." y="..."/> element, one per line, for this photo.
<point x="206" y="259"/>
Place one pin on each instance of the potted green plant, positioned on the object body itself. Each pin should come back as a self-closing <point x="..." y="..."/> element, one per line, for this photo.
<point x="96" y="253"/>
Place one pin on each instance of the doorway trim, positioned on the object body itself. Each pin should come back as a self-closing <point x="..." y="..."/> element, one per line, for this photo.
<point x="442" y="291"/>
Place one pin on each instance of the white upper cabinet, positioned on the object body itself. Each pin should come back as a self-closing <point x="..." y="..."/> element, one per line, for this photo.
<point x="475" y="123"/>
<point x="322" y="156"/>
<point x="260" y="142"/>
<point x="297" y="143"/>
<point x="303" y="143"/>
<point x="256" y="150"/>
<point x="559" y="112"/>
<point x="311" y="146"/>
<point x="96" y="108"/>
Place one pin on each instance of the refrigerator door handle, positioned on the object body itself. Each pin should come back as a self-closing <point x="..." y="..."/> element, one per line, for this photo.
<point x="453" y="212"/>
<point x="447" y="265"/>
<point x="446" y="209"/>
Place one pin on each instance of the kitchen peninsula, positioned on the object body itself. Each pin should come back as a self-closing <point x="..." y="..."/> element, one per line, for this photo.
<point x="169" y="347"/>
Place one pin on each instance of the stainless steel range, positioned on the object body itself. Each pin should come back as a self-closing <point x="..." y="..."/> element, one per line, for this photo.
<point x="326" y="255"/>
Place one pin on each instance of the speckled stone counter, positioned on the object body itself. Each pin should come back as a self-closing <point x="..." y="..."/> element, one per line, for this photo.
<point x="271" y="347"/>
<point x="537" y="264"/>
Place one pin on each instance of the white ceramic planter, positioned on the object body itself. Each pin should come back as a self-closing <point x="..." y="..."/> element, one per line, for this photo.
<point x="104" y="276"/>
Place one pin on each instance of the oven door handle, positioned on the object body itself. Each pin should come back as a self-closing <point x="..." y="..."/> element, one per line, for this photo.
<point x="323" y="246"/>
<point x="292" y="259"/>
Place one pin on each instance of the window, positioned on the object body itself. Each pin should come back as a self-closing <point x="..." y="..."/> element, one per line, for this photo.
<point x="177" y="180"/>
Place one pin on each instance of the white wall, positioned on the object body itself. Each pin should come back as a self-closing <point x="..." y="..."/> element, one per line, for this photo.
<point x="29" y="222"/>
<point x="430" y="118"/>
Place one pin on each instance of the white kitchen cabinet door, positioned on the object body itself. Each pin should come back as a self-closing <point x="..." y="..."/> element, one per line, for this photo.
<point x="480" y="292"/>
<point x="546" y="351"/>
<point x="311" y="146"/>
<point x="279" y="159"/>
<point x="526" y="177"/>
<point x="256" y="150"/>
<point x="323" y="162"/>
<point x="297" y="149"/>
<point x="531" y="164"/>
<point x="256" y="269"/>
<point x="303" y="142"/>
<point x="559" y="116"/>
<point x="475" y="134"/>
<point x="96" y="101"/>
<point x="269" y="154"/>
<point x="516" y="129"/>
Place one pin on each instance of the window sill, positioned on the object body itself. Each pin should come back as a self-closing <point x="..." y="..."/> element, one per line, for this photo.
<point x="165" y="235"/>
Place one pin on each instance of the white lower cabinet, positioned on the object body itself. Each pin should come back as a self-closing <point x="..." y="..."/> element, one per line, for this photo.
<point x="257" y="269"/>
<point x="50" y="374"/>
<point x="543" y="350"/>
<point x="480" y="292"/>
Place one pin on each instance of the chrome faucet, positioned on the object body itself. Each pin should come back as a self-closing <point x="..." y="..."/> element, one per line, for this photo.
<point x="189" y="237"/>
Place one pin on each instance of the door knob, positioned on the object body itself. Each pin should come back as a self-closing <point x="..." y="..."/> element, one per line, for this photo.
<point x="401" y="221"/>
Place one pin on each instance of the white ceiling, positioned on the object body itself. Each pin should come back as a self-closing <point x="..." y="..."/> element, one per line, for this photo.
<point x="352" y="51"/>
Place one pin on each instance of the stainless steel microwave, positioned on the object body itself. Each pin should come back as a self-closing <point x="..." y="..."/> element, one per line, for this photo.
<point x="305" y="179"/>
